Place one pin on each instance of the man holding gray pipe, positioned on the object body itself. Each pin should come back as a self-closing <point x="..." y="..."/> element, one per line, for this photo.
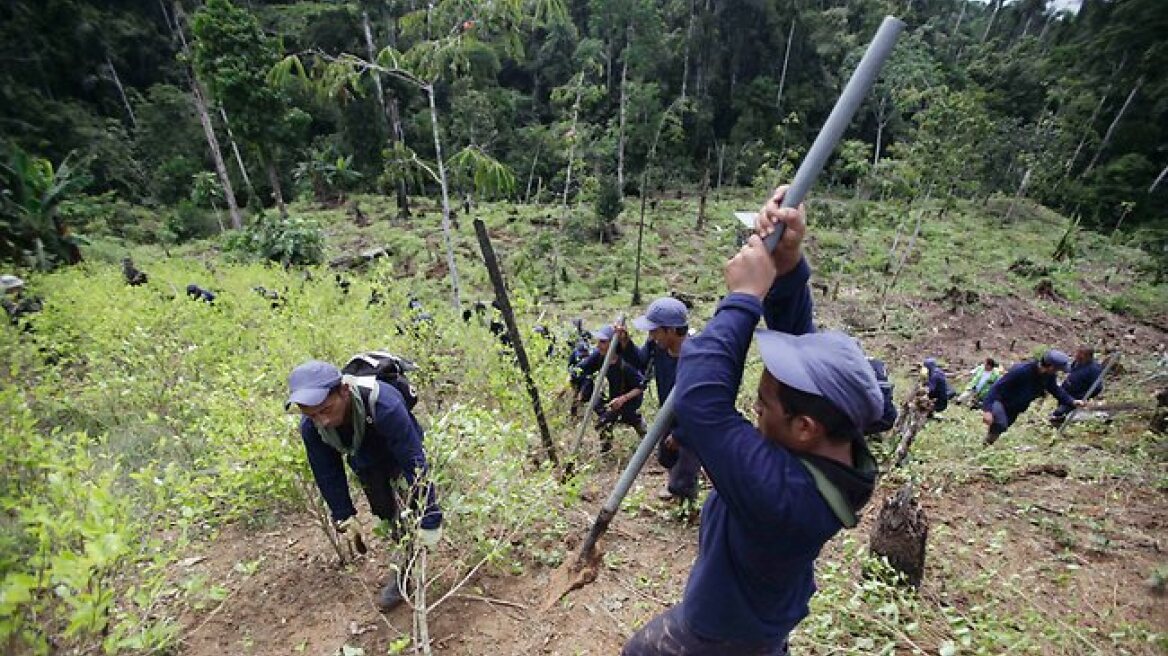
<point x="782" y="487"/>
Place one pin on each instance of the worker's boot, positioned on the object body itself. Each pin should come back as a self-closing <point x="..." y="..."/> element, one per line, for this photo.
<point x="606" y="440"/>
<point x="390" y="596"/>
<point x="991" y="436"/>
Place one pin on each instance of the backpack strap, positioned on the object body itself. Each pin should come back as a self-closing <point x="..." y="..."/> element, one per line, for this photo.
<point x="369" y="389"/>
<point x="831" y="494"/>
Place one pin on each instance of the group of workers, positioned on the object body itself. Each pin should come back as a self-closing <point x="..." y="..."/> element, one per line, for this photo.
<point x="1004" y="395"/>
<point x="782" y="486"/>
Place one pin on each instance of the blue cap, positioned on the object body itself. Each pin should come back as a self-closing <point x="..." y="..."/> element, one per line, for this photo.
<point x="664" y="312"/>
<point x="930" y="362"/>
<point x="603" y="333"/>
<point x="830" y="365"/>
<point x="311" y="382"/>
<point x="1057" y="358"/>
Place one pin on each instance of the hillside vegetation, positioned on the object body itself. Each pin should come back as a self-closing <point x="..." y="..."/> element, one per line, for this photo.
<point x="157" y="500"/>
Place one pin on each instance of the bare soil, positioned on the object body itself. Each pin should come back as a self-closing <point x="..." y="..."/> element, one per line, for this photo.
<point x="1076" y="551"/>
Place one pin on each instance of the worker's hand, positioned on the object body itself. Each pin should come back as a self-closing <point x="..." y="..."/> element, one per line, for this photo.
<point x="349" y="531"/>
<point x="751" y="270"/>
<point x="430" y="537"/>
<point x="987" y="417"/>
<point x="1080" y="404"/>
<point x="621" y="333"/>
<point x="671" y="443"/>
<point x="789" y="250"/>
<point x="616" y="404"/>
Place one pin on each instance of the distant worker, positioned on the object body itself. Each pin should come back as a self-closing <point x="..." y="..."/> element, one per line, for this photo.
<point x="367" y="423"/>
<point x="13" y="300"/>
<point x="888" y="416"/>
<point x="1014" y="392"/>
<point x="1085" y="370"/>
<point x="981" y="379"/>
<point x="626" y="387"/>
<point x="133" y="276"/>
<point x="667" y="322"/>
<point x="937" y="384"/>
<point x="580" y="382"/>
<point x="197" y="293"/>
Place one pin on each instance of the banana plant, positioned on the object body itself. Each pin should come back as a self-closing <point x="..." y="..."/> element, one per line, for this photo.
<point x="32" y="190"/>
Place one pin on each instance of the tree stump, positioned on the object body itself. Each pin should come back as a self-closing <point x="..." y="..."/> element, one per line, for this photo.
<point x="1160" y="419"/>
<point x="900" y="534"/>
<point x="914" y="412"/>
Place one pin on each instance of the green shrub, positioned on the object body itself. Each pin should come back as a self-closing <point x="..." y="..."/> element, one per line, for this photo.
<point x="295" y="240"/>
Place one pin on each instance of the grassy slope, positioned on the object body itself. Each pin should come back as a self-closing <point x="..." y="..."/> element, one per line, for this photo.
<point x="1015" y="560"/>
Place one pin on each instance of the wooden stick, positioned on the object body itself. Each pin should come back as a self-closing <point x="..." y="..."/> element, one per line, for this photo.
<point x="516" y="340"/>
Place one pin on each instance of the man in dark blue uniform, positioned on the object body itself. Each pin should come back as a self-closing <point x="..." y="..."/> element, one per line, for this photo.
<point x="1022" y="384"/>
<point x="667" y="322"/>
<point x="626" y="387"/>
<point x="1085" y="370"/>
<point x="936" y="384"/>
<point x="365" y="422"/>
<point x="782" y="488"/>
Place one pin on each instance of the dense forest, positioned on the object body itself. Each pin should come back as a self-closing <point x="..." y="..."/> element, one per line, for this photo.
<point x="161" y="121"/>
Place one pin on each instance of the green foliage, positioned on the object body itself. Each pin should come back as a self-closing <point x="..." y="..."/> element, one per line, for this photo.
<point x="294" y="240"/>
<point x="31" y="191"/>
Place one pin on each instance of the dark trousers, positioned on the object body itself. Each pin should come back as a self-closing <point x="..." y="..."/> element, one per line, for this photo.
<point x="669" y="635"/>
<point x="683" y="468"/>
<point x="377" y="483"/>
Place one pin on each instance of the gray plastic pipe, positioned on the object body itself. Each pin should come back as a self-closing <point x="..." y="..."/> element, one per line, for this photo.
<point x="841" y="115"/>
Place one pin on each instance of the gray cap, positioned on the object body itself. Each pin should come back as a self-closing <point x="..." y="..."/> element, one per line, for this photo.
<point x="830" y="365"/>
<point x="1057" y="358"/>
<point x="666" y="312"/>
<point x="311" y="382"/>
<point x="8" y="282"/>
<point x="603" y="333"/>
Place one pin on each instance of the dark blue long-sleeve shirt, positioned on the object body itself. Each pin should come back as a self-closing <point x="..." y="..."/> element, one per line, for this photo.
<point x="765" y="522"/>
<point x="664" y="365"/>
<point x="1021" y="385"/>
<point x="1081" y="378"/>
<point x="622" y="377"/>
<point x="392" y="443"/>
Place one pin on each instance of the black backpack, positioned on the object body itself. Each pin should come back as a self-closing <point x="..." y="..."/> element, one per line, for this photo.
<point x="386" y="367"/>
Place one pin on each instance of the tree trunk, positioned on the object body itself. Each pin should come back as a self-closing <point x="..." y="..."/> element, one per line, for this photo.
<point x="403" y="199"/>
<point x="989" y="25"/>
<point x="688" y="40"/>
<point x="277" y="192"/>
<point x="636" y="300"/>
<point x="531" y="175"/>
<point x="881" y="121"/>
<point x="121" y="92"/>
<point x="446" y="229"/>
<point x="238" y="158"/>
<point x="705" y="192"/>
<point x="567" y="184"/>
<point x="721" y="162"/>
<point x="208" y="128"/>
<point x="388" y="112"/>
<point x="783" y="74"/>
<point x="1158" y="180"/>
<point x="1018" y="194"/>
<point x="624" y="81"/>
<point x="1111" y="128"/>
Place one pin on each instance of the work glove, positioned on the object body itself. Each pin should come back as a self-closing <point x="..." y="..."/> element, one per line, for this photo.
<point x="429" y="537"/>
<point x="350" y="534"/>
